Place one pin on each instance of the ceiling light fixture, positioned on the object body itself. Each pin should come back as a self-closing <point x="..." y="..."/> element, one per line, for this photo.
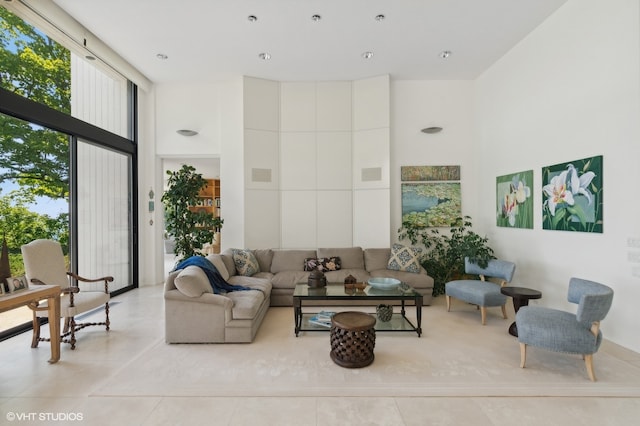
<point x="264" y="56"/>
<point x="431" y="130"/>
<point x="445" y="54"/>
<point x="162" y="56"/>
<point x="252" y="18"/>
<point x="367" y="55"/>
<point x="380" y="17"/>
<point x="316" y="18"/>
<point x="186" y="132"/>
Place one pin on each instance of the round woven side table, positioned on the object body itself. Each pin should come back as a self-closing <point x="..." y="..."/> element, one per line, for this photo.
<point x="353" y="337"/>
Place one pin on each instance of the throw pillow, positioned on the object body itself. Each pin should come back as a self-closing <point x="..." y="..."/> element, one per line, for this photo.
<point x="323" y="264"/>
<point x="193" y="282"/>
<point x="329" y="263"/>
<point x="310" y="264"/>
<point x="405" y="258"/>
<point x="246" y="263"/>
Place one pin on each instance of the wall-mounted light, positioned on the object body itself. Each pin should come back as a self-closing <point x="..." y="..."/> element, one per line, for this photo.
<point x="151" y="205"/>
<point x="186" y="132"/>
<point x="431" y="130"/>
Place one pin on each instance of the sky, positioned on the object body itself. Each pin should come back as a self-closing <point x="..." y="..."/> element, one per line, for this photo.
<point x="43" y="205"/>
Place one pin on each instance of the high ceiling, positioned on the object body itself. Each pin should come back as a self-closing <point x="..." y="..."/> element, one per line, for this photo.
<point x="215" y="39"/>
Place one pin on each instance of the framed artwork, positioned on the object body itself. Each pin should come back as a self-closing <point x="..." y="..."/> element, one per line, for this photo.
<point x="17" y="284"/>
<point x="514" y="201"/>
<point x="431" y="204"/>
<point x="429" y="173"/>
<point x="572" y="196"/>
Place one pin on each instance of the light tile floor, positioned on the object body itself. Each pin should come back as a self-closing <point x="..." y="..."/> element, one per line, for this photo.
<point x="32" y="392"/>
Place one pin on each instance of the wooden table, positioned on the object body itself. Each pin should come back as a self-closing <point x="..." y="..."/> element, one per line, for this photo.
<point x="35" y="294"/>
<point x="521" y="297"/>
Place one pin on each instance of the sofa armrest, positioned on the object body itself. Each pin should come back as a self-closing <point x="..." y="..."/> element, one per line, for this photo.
<point x="208" y="298"/>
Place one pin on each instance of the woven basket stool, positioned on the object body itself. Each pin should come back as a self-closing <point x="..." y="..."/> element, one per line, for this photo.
<point x="353" y="337"/>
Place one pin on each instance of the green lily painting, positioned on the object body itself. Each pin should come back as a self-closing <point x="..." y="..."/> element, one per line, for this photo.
<point x="515" y="204"/>
<point x="572" y="196"/>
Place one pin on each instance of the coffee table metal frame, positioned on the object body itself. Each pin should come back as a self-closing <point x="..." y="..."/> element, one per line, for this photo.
<point x="336" y="292"/>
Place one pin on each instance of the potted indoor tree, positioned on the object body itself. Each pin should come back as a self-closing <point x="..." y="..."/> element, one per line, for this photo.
<point x="190" y="228"/>
<point x="444" y="258"/>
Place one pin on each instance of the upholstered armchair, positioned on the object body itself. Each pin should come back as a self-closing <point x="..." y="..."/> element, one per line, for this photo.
<point x="561" y="331"/>
<point x="44" y="264"/>
<point x="482" y="293"/>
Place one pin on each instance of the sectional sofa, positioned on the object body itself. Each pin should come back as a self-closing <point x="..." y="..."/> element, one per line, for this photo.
<point x="193" y="314"/>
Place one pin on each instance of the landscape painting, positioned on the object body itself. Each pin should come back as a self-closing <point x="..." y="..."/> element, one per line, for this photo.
<point x="572" y="196"/>
<point x="514" y="200"/>
<point x="431" y="204"/>
<point x="429" y="173"/>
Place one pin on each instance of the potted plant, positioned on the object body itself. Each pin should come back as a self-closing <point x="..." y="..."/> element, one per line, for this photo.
<point x="444" y="259"/>
<point x="190" y="228"/>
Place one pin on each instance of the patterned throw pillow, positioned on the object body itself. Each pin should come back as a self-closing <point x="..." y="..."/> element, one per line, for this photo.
<point x="246" y="263"/>
<point x="405" y="258"/>
<point x="323" y="264"/>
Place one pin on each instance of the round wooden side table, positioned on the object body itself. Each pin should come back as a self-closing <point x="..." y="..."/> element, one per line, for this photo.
<point x="353" y="337"/>
<point x="521" y="297"/>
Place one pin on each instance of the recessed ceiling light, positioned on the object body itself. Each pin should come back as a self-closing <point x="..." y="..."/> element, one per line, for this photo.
<point x="252" y="18"/>
<point x="162" y="56"/>
<point x="367" y="55"/>
<point x="380" y="17"/>
<point x="316" y="18"/>
<point x="445" y="54"/>
<point x="264" y="55"/>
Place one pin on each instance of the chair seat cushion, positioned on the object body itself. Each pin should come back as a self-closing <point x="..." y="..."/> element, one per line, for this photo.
<point x="555" y="330"/>
<point x="83" y="301"/>
<point x="481" y="293"/>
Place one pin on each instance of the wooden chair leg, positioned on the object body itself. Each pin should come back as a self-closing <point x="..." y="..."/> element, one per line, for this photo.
<point x="588" y="360"/>
<point x="523" y="354"/>
<point x="504" y="311"/>
<point x="36" y="331"/>
<point x="448" y="303"/>
<point x="483" y="314"/>
<point x="66" y="325"/>
<point x="106" y="311"/>
<point x="72" y="337"/>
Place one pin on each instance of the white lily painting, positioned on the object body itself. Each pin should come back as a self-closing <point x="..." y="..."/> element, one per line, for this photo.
<point x="572" y="196"/>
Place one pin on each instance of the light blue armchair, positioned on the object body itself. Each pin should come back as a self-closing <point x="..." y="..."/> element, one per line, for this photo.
<point x="480" y="292"/>
<point x="562" y="331"/>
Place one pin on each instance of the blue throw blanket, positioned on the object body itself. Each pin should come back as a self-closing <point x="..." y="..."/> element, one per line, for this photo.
<point x="218" y="283"/>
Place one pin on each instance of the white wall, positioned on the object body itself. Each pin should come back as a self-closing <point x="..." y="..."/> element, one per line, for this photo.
<point x="570" y="90"/>
<point x="193" y="106"/>
<point x="419" y="104"/>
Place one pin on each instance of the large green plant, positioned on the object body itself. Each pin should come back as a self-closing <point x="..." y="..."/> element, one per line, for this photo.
<point x="191" y="229"/>
<point x="445" y="254"/>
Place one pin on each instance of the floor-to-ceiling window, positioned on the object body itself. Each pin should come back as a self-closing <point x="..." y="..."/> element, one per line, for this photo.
<point x="68" y="154"/>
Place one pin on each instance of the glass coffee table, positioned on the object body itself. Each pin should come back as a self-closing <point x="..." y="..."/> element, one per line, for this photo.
<point x="337" y="292"/>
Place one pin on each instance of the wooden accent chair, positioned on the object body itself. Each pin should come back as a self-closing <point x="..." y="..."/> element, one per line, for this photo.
<point x="561" y="331"/>
<point x="44" y="264"/>
<point x="482" y="293"/>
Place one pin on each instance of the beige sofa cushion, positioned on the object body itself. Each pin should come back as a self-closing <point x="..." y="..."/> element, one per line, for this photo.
<point x="264" y="258"/>
<point x="350" y="257"/>
<point x="227" y="258"/>
<point x="290" y="260"/>
<point x="217" y="261"/>
<point x="376" y="258"/>
<point x="193" y="282"/>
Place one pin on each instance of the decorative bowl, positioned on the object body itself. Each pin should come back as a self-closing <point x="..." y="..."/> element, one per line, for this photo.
<point x="384" y="283"/>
